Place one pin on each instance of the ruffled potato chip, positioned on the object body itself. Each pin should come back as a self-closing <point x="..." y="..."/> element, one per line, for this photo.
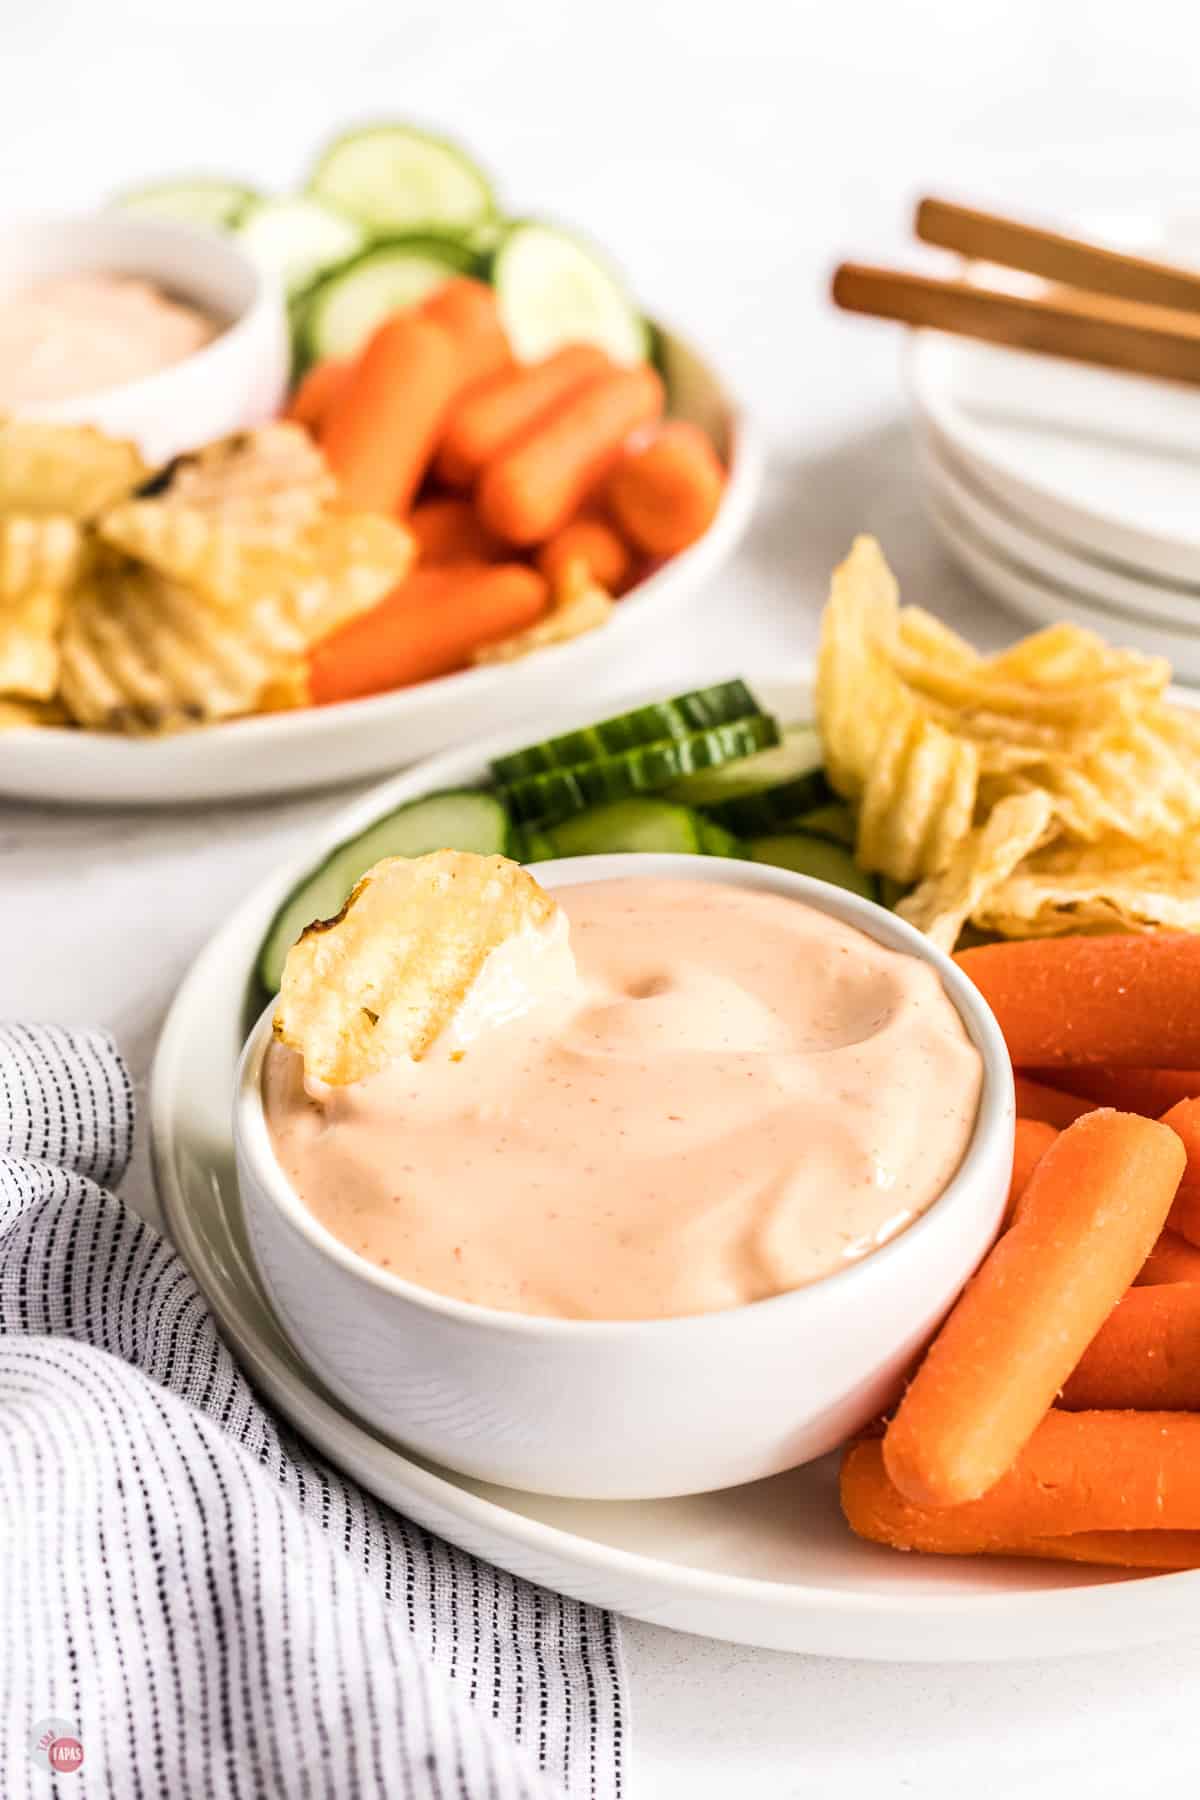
<point x="70" y="470"/>
<point x="984" y="859"/>
<point x="578" y="605"/>
<point x="857" y="690"/>
<point x="266" y="483"/>
<point x="23" y="715"/>
<point x="29" y="656"/>
<point x="918" y="801"/>
<point x="1110" y="885"/>
<point x="43" y="551"/>
<point x="140" y="654"/>
<point x="247" y="524"/>
<point x="385" y="977"/>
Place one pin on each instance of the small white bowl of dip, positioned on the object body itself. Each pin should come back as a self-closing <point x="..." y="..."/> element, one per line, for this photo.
<point x="128" y="363"/>
<point x="651" y="1406"/>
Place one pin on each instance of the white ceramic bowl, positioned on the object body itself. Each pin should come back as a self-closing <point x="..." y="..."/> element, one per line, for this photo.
<point x="640" y="1409"/>
<point x="237" y="380"/>
<point x="316" y="746"/>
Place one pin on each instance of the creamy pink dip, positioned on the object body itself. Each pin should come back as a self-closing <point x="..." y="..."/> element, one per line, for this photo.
<point x="77" y="334"/>
<point x="742" y="1096"/>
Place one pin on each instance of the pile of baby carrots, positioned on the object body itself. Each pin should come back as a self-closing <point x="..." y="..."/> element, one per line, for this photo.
<point x="1057" y="1412"/>
<point x="507" y="474"/>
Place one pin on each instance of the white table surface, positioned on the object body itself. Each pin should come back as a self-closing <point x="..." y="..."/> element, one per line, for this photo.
<point x="728" y="156"/>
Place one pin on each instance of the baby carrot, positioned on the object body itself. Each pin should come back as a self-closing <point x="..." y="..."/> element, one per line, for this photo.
<point x="665" y="493"/>
<point x="1149" y="1091"/>
<point x="1184" y="1119"/>
<point x="1145" y="1356"/>
<point x="591" y="539"/>
<point x="1036" y="1100"/>
<point x="317" y="392"/>
<point x="1032" y="1140"/>
<point x="379" y="433"/>
<point x="1130" y="1001"/>
<point x="1094" y="1205"/>
<point x="1062" y="1499"/>
<point x="507" y="405"/>
<point x="468" y="311"/>
<point x="1172" y="1259"/>
<point x="529" y="492"/>
<point x="427" y="626"/>
<point x="448" y="531"/>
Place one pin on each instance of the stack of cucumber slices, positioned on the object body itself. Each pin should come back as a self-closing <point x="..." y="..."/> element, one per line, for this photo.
<point x="708" y="773"/>
<point x="390" y="213"/>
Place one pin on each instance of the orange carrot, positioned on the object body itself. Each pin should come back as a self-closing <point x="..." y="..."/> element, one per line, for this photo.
<point x="428" y="626"/>
<point x="1094" y="1205"/>
<point x="1149" y="1091"/>
<point x="1032" y="1140"/>
<point x="592" y="539"/>
<point x="665" y="493"/>
<point x="468" y="311"/>
<point x="1064" y="1498"/>
<point x="1036" y="1100"/>
<point x="503" y="408"/>
<point x="448" y="531"/>
<point x="1131" y="1001"/>
<point x="1184" y="1119"/>
<point x="379" y="433"/>
<point x="529" y="492"/>
<point x="317" y="392"/>
<point x="1172" y="1259"/>
<point x="1145" y="1356"/>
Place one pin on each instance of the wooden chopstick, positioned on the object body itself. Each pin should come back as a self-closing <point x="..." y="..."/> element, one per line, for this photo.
<point x="989" y="237"/>
<point x="1114" y="334"/>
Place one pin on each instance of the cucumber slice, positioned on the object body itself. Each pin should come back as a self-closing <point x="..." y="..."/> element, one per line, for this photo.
<point x="552" y="290"/>
<point x="465" y="820"/>
<point x="835" y="822"/>
<point x="199" y="202"/>
<point x="347" y="304"/>
<point x="813" y="856"/>
<point x="544" y="799"/>
<point x="297" y="240"/>
<point x="760" y="795"/>
<point x="531" y="845"/>
<point x="628" y="825"/>
<point x="715" y="840"/>
<point x="398" y="179"/>
<point x="677" y="718"/>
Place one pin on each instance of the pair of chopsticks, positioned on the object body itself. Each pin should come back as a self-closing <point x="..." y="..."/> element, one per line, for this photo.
<point x="1104" y="307"/>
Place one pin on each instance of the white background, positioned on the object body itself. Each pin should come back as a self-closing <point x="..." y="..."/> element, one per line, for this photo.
<point x="727" y="154"/>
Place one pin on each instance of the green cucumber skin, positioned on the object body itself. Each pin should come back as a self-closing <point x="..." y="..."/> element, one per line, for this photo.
<point x="815" y="857"/>
<point x="698" y="710"/>
<point x="641" y="824"/>
<point x="393" y="835"/>
<point x="757" y="815"/>
<point x="438" y="141"/>
<point x="307" y="314"/>
<point x="545" y="799"/>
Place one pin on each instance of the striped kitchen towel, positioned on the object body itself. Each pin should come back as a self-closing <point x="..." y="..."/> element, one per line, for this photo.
<point x="191" y="1602"/>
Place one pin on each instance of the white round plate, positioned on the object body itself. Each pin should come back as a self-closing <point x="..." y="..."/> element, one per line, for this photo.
<point x="1107" y="462"/>
<point x="320" y="746"/>
<point x="1041" y="601"/>
<point x="1114" y="593"/>
<point x="771" y="1564"/>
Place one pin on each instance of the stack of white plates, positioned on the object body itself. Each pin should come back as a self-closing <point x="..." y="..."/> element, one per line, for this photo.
<point x="1067" y="492"/>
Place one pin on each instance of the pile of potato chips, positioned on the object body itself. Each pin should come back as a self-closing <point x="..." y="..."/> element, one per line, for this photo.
<point x="1049" y="789"/>
<point x="139" y="602"/>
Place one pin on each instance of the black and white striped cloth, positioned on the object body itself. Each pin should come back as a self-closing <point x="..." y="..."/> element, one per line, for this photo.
<point x="190" y="1602"/>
